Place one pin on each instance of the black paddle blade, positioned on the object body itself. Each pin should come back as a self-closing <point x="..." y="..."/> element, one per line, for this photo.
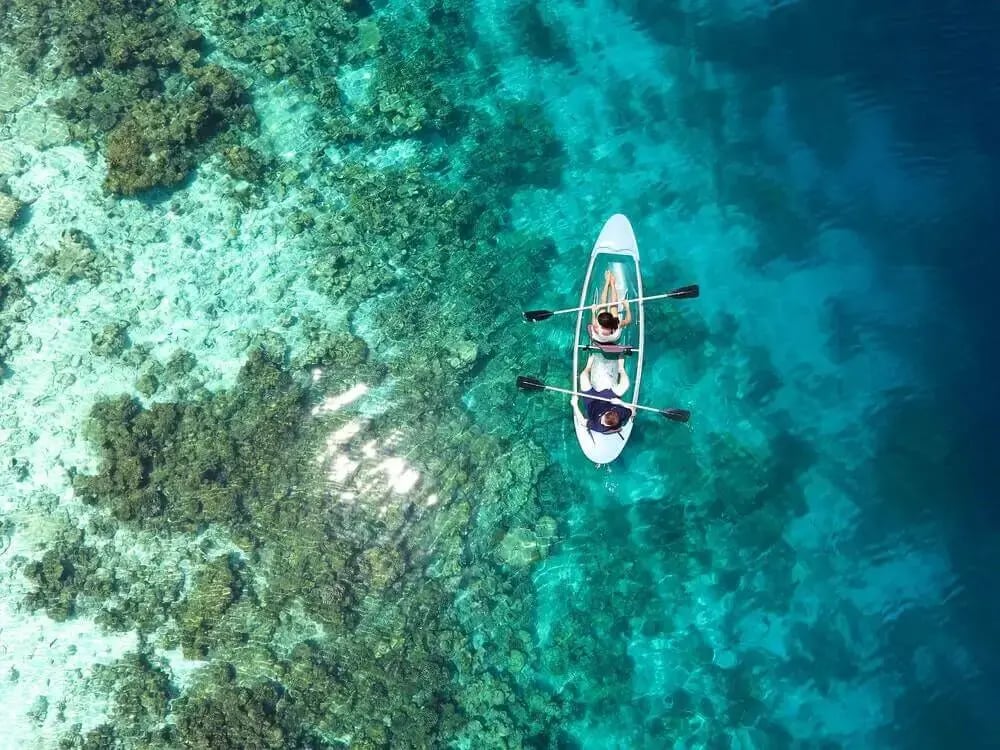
<point x="533" y="316"/>
<point x="609" y="348"/>
<point x="677" y="415"/>
<point x="530" y="384"/>
<point x="686" y="292"/>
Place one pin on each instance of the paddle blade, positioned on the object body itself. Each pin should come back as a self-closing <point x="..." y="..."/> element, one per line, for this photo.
<point x="685" y="292"/>
<point x="530" y="384"/>
<point x="533" y="316"/>
<point x="677" y="415"/>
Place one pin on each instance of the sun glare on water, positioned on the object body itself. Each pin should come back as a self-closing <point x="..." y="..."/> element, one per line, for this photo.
<point x="336" y="403"/>
<point x="368" y="470"/>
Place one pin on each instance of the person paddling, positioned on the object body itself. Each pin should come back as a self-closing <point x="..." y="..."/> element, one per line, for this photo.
<point x="605" y="325"/>
<point x="597" y="380"/>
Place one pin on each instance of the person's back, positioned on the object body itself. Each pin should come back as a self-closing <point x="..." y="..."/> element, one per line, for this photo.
<point x="606" y="379"/>
<point x="606" y="329"/>
<point x="606" y="323"/>
<point x="604" y="417"/>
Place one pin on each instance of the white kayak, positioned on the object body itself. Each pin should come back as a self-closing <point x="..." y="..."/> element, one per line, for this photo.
<point x="615" y="250"/>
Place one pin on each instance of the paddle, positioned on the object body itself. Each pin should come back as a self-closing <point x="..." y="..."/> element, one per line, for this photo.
<point x="534" y="384"/>
<point x="684" y="292"/>
<point x="608" y="348"/>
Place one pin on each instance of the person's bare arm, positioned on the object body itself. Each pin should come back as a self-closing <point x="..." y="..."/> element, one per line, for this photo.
<point x="602" y="300"/>
<point x="618" y="298"/>
<point x="623" y="384"/>
<point x="584" y="380"/>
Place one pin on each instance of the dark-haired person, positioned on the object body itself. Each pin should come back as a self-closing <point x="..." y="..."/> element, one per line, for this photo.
<point x="605" y="326"/>
<point x="597" y="380"/>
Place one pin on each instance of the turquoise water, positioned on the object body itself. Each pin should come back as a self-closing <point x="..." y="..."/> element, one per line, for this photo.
<point x="267" y="481"/>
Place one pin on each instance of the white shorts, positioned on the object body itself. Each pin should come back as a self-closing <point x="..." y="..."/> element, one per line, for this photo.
<point x="604" y="376"/>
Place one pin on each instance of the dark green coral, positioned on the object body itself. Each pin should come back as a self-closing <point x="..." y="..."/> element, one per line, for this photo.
<point x="225" y="715"/>
<point x="216" y="587"/>
<point x="186" y="466"/>
<point x="142" y="688"/>
<point x="141" y="85"/>
<point x="58" y="577"/>
<point x="80" y="572"/>
<point x="153" y="145"/>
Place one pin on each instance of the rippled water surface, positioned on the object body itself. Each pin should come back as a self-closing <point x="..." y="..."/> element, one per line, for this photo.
<point x="266" y="480"/>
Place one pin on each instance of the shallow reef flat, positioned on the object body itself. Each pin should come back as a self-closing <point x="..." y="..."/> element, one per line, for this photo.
<point x="217" y="524"/>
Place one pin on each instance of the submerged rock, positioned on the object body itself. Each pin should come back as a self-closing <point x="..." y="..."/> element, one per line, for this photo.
<point x="111" y="340"/>
<point x="521" y="547"/>
<point x="463" y="353"/>
<point x="75" y="259"/>
<point x="15" y="87"/>
<point x="9" y="209"/>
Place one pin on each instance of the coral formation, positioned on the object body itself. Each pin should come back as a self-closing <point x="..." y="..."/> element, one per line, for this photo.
<point x="223" y="714"/>
<point x="235" y="462"/>
<point x="127" y="60"/>
<point x="175" y="466"/>
<point x="59" y="575"/>
<point x="216" y="587"/>
<point x="141" y="685"/>
<point x="244" y="163"/>
<point x="298" y="41"/>
<point x="111" y="340"/>
<point x="80" y="571"/>
<point x="153" y="145"/>
<point x="10" y="207"/>
<point x="75" y="258"/>
<point x="12" y="296"/>
<point x="337" y="617"/>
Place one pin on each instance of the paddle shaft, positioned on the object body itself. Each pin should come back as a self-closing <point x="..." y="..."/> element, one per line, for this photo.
<point x="612" y="304"/>
<point x="596" y="398"/>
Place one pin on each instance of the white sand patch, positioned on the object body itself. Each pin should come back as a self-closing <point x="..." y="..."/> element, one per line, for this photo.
<point x="45" y="662"/>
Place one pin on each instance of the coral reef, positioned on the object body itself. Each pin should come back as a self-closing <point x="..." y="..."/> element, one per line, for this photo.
<point x="12" y="296"/>
<point x="244" y="163"/>
<point x="75" y="258"/>
<point x="111" y="340"/>
<point x="10" y="207"/>
<point x="239" y="461"/>
<point x="128" y="60"/>
<point x="60" y="574"/>
<point x="142" y="688"/>
<point x="407" y="93"/>
<point x="219" y="713"/>
<point x="156" y="142"/>
<point x="331" y="615"/>
<point x="175" y="466"/>
<point x="216" y="587"/>
<point x="298" y="41"/>
<point x="81" y="571"/>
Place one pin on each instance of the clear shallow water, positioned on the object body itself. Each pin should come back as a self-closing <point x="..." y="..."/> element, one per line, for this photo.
<point x="806" y="564"/>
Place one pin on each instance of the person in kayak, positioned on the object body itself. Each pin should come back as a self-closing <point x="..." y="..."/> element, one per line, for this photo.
<point x="605" y="325"/>
<point x="597" y="380"/>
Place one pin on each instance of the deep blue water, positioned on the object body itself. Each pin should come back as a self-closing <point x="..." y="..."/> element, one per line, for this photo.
<point x="837" y="590"/>
<point x="886" y="126"/>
